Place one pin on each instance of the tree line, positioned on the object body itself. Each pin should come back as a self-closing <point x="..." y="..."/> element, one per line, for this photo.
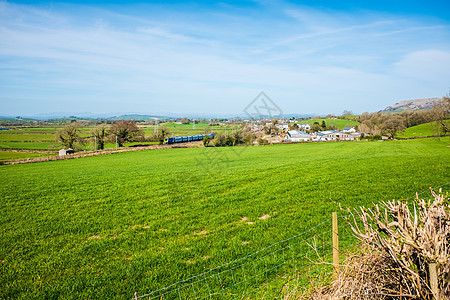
<point x="122" y="132"/>
<point x="391" y="123"/>
<point x="70" y="136"/>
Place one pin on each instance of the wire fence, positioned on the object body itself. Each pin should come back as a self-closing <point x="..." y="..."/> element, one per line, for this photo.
<point x="291" y="264"/>
<point x="265" y="272"/>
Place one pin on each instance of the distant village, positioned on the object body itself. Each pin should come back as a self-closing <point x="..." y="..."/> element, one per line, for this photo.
<point x="292" y="131"/>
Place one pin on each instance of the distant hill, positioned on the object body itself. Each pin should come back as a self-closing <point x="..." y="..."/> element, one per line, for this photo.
<point x="137" y="117"/>
<point x="416" y="104"/>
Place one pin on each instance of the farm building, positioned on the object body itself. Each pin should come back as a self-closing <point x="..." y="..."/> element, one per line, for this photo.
<point x="349" y="130"/>
<point x="4" y="128"/>
<point x="63" y="152"/>
<point x="282" y="126"/>
<point x="297" y="136"/>
<point x="353" y="136"/>
<point x="330" y="135"/>
<point x="304" y="126"/>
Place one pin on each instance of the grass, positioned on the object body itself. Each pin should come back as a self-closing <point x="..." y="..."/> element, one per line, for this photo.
<point x="426" y="129"/>
<point x="30" y="145"/>
<point x="105" y="227"/>
<point x="5" y="155"/>
<point x="27" y="137"/>
<point x="339" y="123"/>
<point x="43" y="138"/>
<point x="187" y="129"/>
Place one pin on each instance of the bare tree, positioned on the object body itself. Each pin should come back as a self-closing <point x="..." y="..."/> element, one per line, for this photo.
<point x="125" y="131"/>
<point x="238" y="137"/>
<point x="69" y="136"/>
<point x="184" y="121"/>
<point x="163" y="132"/>
<point x="441" y="115"/>
<point x="347" y="113"/>
<point x="392" y="125"/>
<point x="100" y="133"/>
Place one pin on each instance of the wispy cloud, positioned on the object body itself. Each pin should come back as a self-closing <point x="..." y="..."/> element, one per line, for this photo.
<point x="156" y="59"/>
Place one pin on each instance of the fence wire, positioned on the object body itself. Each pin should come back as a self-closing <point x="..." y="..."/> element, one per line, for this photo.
<point x="293" y="263"/>
<point x="264" y="271"/>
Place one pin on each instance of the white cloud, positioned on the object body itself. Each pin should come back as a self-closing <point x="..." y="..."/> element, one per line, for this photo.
<point x="426" y="65"/>
<point x="215" y="62"/>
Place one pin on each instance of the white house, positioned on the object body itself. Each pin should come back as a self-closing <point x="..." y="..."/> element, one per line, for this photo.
<point x="349" y="130"/>
<point x="330" y="135"/>
<point x="304" y="126"/>
<point x="63" y="152"/>
<point x="297" y="136"/>
<point x="282" y="126"/>
<point x="353" y="136"/>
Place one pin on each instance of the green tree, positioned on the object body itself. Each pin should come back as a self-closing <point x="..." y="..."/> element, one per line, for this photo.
<point x="293" y="126"/>
<point x="100" y="134"/>
<point x="206" y="140"/>
<point x="69" y="136"/>
<point x="316" y="127"/>
<point x="229" y="141"/>
<point x="162" y="133"/>
<point x="323" y="125"/>
<point x="125" y="131"/>
<point x="238" y="137"/>
<point x="219" y="140"/>
<point x="262" y="141"/>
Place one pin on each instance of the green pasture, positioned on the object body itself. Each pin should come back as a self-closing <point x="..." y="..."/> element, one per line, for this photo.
<point x="54" y="146"/>
<point x="336" y="122"/>
<point x="40" y="129"/>
<point x="43" y="138"/>
<point x="30" y="145"/>
<point x="109" y="226"/>
<point x="426" y="129"/>
<point x="188" y="129"/>
<point x="22" y="129"/>
<point x="5" y="155"/>
<point x="27" y="137"/>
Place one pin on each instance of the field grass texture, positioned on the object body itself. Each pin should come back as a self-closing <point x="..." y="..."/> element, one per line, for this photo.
<point x="6" y="155"/>
<point x="426" y="129"/>
<point x="109" y="226"/>
<point x="340" y="124"/>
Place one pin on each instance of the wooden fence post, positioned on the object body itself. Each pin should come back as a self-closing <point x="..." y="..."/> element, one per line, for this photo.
<point x="432" y="268"/>
<point x="335" y="247"/>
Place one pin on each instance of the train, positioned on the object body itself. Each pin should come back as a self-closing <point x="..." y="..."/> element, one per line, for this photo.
<point x="188" y="138"/>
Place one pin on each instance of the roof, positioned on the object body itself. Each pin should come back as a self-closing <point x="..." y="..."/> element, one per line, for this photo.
<point x="348" y="128"/>
<point x="298" y="134"/>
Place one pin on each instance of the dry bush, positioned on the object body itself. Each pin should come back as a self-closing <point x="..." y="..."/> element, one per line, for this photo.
<point x="401" y="245"/>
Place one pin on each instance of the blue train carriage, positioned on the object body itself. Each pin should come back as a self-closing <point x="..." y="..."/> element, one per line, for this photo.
<point x="189" y="138"/>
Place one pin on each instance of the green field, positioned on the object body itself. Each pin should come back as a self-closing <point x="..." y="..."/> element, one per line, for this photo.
<point x="22" y="137"/>
<point x="336" y="122"/>
<point x="105" y="227"/>
<point x="5" y="155"/>
<point x="426" y="129"/>
<point x="30" y="145"/>
<point x="188" y="129"/>
<point x="43" y="138"/>
<point x="34" y="138"/>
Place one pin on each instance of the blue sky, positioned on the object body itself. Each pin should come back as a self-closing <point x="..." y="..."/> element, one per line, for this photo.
<point x="207" y="57"/>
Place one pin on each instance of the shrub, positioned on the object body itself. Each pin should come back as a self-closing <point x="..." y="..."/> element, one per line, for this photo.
<point x="402" y="247"/>
<point x="262" y="141"/>
<point x="229" y="141"/>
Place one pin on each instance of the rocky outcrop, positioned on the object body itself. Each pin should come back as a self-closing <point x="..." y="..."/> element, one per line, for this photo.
<point x="416" y="104"/>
